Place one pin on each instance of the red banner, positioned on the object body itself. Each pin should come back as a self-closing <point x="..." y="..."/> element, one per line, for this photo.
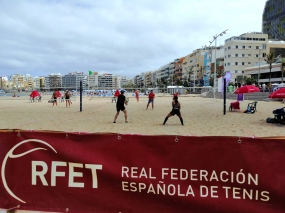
<point x="63" y="172"/>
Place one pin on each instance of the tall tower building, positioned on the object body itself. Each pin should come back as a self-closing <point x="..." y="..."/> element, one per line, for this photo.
<point x="273" y="19"/>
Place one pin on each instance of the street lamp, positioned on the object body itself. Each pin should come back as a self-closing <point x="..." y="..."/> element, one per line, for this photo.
<point x="215" y="68"/>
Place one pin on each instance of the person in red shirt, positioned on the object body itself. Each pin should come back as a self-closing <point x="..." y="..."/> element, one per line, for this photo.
<point x="151" y="96"/>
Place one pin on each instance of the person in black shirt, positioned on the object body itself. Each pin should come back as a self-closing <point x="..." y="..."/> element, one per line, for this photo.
<point x="67" y="98"/>
<point x="175" y="110"/>
<point x="120" y="106"/>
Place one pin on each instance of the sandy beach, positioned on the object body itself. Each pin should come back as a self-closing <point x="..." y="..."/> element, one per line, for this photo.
<point x="202" y="117"/>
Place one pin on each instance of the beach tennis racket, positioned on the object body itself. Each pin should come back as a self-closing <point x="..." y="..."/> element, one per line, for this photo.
<point x="127" y="100"/>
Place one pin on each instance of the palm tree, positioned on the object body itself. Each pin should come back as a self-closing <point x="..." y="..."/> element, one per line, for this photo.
<point x="190" y="72"/>
<point x="171" y="79"/>
<point x="203" y="70"/>
<point x="220" y="72"/>
<point x="270" y="59"/>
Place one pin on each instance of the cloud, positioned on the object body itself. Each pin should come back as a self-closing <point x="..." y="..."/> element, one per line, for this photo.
<point x="122" y="37"/>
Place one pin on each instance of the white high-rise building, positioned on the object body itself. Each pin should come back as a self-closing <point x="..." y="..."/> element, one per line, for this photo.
<point x="243" y="51"/>
<point x="92" y="81"/>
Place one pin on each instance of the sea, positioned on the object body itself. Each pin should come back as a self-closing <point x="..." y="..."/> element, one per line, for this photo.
<point x="11" y="94"/>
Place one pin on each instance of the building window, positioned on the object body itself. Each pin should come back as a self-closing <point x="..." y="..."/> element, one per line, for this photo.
<point x="242" y="55"/>
<point x="263" y="54"/>
<point x="236" y="71"/>
<point x="229" y="56"/>
<point x="236" y="55"/>
<point x="249" y="46"/>
<point x="243" y="47"/>
<point x="236" y="63"/>
<point x="256" y="55"/>
<point x="229" y="47"/>
<point x="236" y="46"/>
<point x="242" y="63"/>
<point x="257" y="47"/>
<point x="249" y="54"/>
<point x="249" y="62"/>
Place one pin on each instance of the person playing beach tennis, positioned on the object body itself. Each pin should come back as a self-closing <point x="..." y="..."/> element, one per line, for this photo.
<point x="67" y="98"/>
<point x="151" y="97"/>
<point x="54" y="97"/>
<point x="120" y="106"/>
<point x="176" y="106"/>
<point x="137" y="94"/>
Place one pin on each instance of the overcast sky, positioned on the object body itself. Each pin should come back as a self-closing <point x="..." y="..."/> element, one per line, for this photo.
<point x="122" y="37"/>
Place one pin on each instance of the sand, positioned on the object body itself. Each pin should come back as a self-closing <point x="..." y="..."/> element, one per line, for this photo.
<point x="202" y="117"/>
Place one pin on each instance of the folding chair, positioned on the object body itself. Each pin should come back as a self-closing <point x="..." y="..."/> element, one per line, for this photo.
<point x="234" y="106"/>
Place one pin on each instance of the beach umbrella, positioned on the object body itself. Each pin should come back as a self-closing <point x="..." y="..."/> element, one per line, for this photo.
<point x="280" y="93"/>
<point x="247" y="89"/>
<point x="58" y="94"/>
<point x="117" y="93"/>
<point x="35" y="94"/>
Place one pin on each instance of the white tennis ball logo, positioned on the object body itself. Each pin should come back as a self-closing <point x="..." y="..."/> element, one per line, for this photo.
<point x="11" y="155"/>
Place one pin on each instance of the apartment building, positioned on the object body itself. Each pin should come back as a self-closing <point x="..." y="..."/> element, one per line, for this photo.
<point x="124" y="80"/>
<point x="160" y="73"/>
<point x="178" y="70"/>
<point x="243" y="51"/>
<point x="4" y="82"/>
<point x="260" y="70"/>
<point x="18" y="81"/>
<point x="40" y="83"/>
<point x="97" y="80"/>
<point x="72" y="80"/>
<point x="120" y="81"/>
<point x="116" y="82"/>
<point x="47" y="83"/>
<point x="170" y="73"/>
<point x="29" y="82"/>
<point x="193" y="61"/>
<point x="53" y="81"/>
<point x="153" y="76"/>
<point x="278" y="47"/>
<point x="105" y="81"/>
<point x="136" y="80"/>
<point x="147" y="79"/>
<point x="7" y="85"/>
<point x="92" y="81"/>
